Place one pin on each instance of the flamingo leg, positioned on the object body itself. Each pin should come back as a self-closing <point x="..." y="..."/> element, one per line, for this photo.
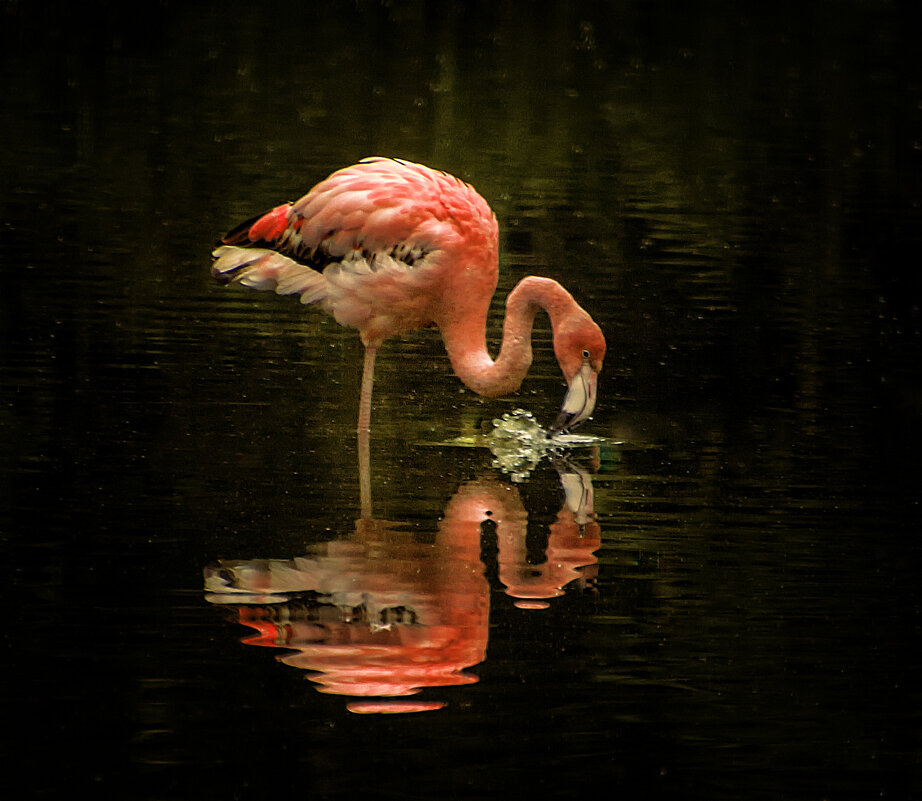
<point x="368" y="380"/>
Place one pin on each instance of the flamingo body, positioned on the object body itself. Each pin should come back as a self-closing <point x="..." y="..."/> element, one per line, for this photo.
<point x="387" y="247"/>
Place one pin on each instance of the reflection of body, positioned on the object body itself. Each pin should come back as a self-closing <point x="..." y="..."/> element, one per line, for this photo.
<point x="382" y="615"/>
<point x="388" y="247"/>
<point x="375" y="615"/>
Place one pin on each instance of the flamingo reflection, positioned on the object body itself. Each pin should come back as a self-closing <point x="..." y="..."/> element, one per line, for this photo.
<point x="380" y="614"/>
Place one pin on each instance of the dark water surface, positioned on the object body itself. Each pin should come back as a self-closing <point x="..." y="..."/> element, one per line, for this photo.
<point x="724" y="606"/>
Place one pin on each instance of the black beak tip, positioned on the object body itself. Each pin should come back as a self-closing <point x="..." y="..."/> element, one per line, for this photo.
<point x="561" y="424"/>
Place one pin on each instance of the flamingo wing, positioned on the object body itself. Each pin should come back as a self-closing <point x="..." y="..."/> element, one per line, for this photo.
<point x="376" y="206"/>
<point x="361" y="243"/>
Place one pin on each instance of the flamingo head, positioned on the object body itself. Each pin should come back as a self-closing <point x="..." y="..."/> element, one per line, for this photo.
<point x="580" y="349"/>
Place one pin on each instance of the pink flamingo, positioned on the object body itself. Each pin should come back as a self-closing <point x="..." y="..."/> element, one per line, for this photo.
<point x="387" y="246"/>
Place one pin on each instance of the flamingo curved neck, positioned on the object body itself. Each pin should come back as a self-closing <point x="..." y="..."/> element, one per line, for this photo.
<point x="465" y="341"/>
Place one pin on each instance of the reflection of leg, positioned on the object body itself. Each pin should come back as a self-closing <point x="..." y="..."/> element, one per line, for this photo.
<point x="364" y="474"/>
<point x="368" y="380"/>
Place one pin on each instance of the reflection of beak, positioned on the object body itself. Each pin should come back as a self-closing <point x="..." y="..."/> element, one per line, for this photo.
<point x="579" y="401"/>
<point x="577" y="487"/>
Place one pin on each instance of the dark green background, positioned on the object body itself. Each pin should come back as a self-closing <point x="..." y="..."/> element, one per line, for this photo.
<point x="733" y="193"/>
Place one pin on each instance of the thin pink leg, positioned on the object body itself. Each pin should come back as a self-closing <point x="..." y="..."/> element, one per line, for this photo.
<point x="368" y="380"/>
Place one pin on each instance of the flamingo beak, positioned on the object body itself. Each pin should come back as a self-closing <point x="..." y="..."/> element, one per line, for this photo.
<point x="579" y="401"/>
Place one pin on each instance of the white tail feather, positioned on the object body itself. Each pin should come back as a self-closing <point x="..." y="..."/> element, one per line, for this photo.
<point x="263" y="269"/>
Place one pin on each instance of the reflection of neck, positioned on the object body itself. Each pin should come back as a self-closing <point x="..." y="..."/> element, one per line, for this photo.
<point x="570" y="547"/>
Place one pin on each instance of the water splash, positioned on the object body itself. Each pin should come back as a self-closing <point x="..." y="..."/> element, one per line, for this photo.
<point x="518" y="443"/>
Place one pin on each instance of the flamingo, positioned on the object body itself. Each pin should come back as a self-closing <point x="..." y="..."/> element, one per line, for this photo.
<point x="387" y="246"/>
